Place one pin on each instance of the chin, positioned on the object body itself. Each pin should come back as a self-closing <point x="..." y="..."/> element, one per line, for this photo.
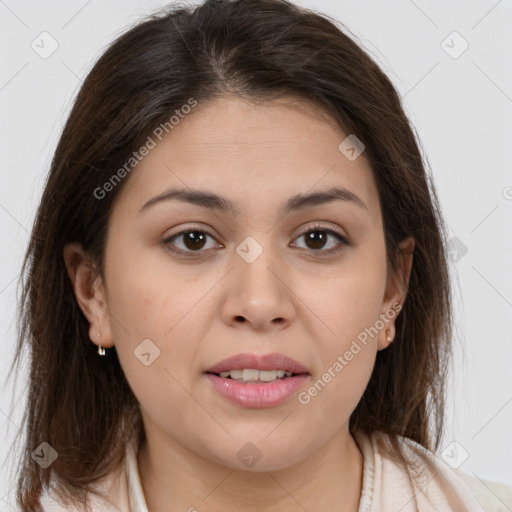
<point x="259" y="454"/>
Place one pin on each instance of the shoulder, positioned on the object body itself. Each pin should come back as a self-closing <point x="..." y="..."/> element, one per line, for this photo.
<point x="428" y="482"/>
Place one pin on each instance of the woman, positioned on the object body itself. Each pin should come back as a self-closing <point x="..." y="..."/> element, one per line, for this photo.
<point x="239" y="220"/>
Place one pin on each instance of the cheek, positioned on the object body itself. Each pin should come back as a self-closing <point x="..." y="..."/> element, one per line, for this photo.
<point x="147" y="295"/>
<point x="155" y="335"/>
<point x="347" y="349"/>
<point x="350" y="302"/>
<point x="151" y="313"/>
<point x="349" y="306"/>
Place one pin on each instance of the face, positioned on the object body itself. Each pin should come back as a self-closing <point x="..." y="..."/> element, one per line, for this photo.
<point x="190" y="283"/>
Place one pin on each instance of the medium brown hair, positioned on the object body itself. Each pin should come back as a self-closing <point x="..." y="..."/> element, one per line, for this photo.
<point x="81" y="404"/>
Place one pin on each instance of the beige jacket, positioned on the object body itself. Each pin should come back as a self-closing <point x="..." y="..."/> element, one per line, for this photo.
<point x="385" y="487"/>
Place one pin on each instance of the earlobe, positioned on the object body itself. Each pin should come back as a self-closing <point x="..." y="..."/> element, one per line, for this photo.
<point x="389" y="336"/>
<point x="89" y="292"/>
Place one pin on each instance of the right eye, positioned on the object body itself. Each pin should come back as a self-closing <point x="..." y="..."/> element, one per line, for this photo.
<point x="193" y="240"/>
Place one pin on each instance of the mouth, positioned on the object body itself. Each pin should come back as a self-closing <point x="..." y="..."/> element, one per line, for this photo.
<point x="253" y="381"/>
<point x="252" y="375"/>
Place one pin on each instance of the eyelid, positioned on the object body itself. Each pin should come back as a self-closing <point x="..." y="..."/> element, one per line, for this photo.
<point x="320" y="226"/>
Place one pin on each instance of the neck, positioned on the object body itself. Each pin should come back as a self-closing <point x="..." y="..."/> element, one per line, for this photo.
<point x="177" y="479"/>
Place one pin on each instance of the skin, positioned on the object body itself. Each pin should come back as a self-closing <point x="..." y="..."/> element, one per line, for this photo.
<point x="201" y="309"/>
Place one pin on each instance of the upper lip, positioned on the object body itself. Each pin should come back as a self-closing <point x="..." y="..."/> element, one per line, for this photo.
<point x="273" y="361"/>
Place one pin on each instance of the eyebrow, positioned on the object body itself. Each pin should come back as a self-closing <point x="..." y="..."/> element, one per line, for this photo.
<point x="223" y="205"/>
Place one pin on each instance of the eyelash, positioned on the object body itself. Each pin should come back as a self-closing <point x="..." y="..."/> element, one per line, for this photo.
<point x="328" y="252"/>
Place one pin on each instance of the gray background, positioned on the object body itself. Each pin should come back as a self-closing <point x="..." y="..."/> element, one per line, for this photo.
<point x="461" y="106"/>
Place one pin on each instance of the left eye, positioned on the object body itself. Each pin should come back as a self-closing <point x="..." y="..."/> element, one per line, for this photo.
<point x="316" y="238"/>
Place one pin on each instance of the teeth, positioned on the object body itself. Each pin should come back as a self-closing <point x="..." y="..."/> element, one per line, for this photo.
<point x="235" y="374"/>
<point x="252" y="375"/>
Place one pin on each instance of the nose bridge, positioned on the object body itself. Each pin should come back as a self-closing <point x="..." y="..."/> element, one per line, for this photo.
<point x="258" y="264"/>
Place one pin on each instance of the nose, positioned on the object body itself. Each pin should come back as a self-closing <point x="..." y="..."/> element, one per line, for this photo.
<point x="258" y="291"/>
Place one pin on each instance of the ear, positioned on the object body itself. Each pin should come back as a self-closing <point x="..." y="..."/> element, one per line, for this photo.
<point x="90" y="293"/>
<point x="396" y="292"/>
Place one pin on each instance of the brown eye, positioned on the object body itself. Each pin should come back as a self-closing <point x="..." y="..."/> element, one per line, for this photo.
<point x="194" y="240"/>
<point x="191" y="240"/>
<point x="316" y="239"/>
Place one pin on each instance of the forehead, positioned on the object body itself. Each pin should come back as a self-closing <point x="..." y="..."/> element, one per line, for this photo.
<point x="242" y="150"/>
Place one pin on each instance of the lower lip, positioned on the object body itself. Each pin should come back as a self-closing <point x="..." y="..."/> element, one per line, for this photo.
<point x="257" y="396"/>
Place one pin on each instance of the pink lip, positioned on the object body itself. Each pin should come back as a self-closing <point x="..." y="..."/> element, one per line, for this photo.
<point x="252" y="361"/>
<point x="257" y="395"/>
